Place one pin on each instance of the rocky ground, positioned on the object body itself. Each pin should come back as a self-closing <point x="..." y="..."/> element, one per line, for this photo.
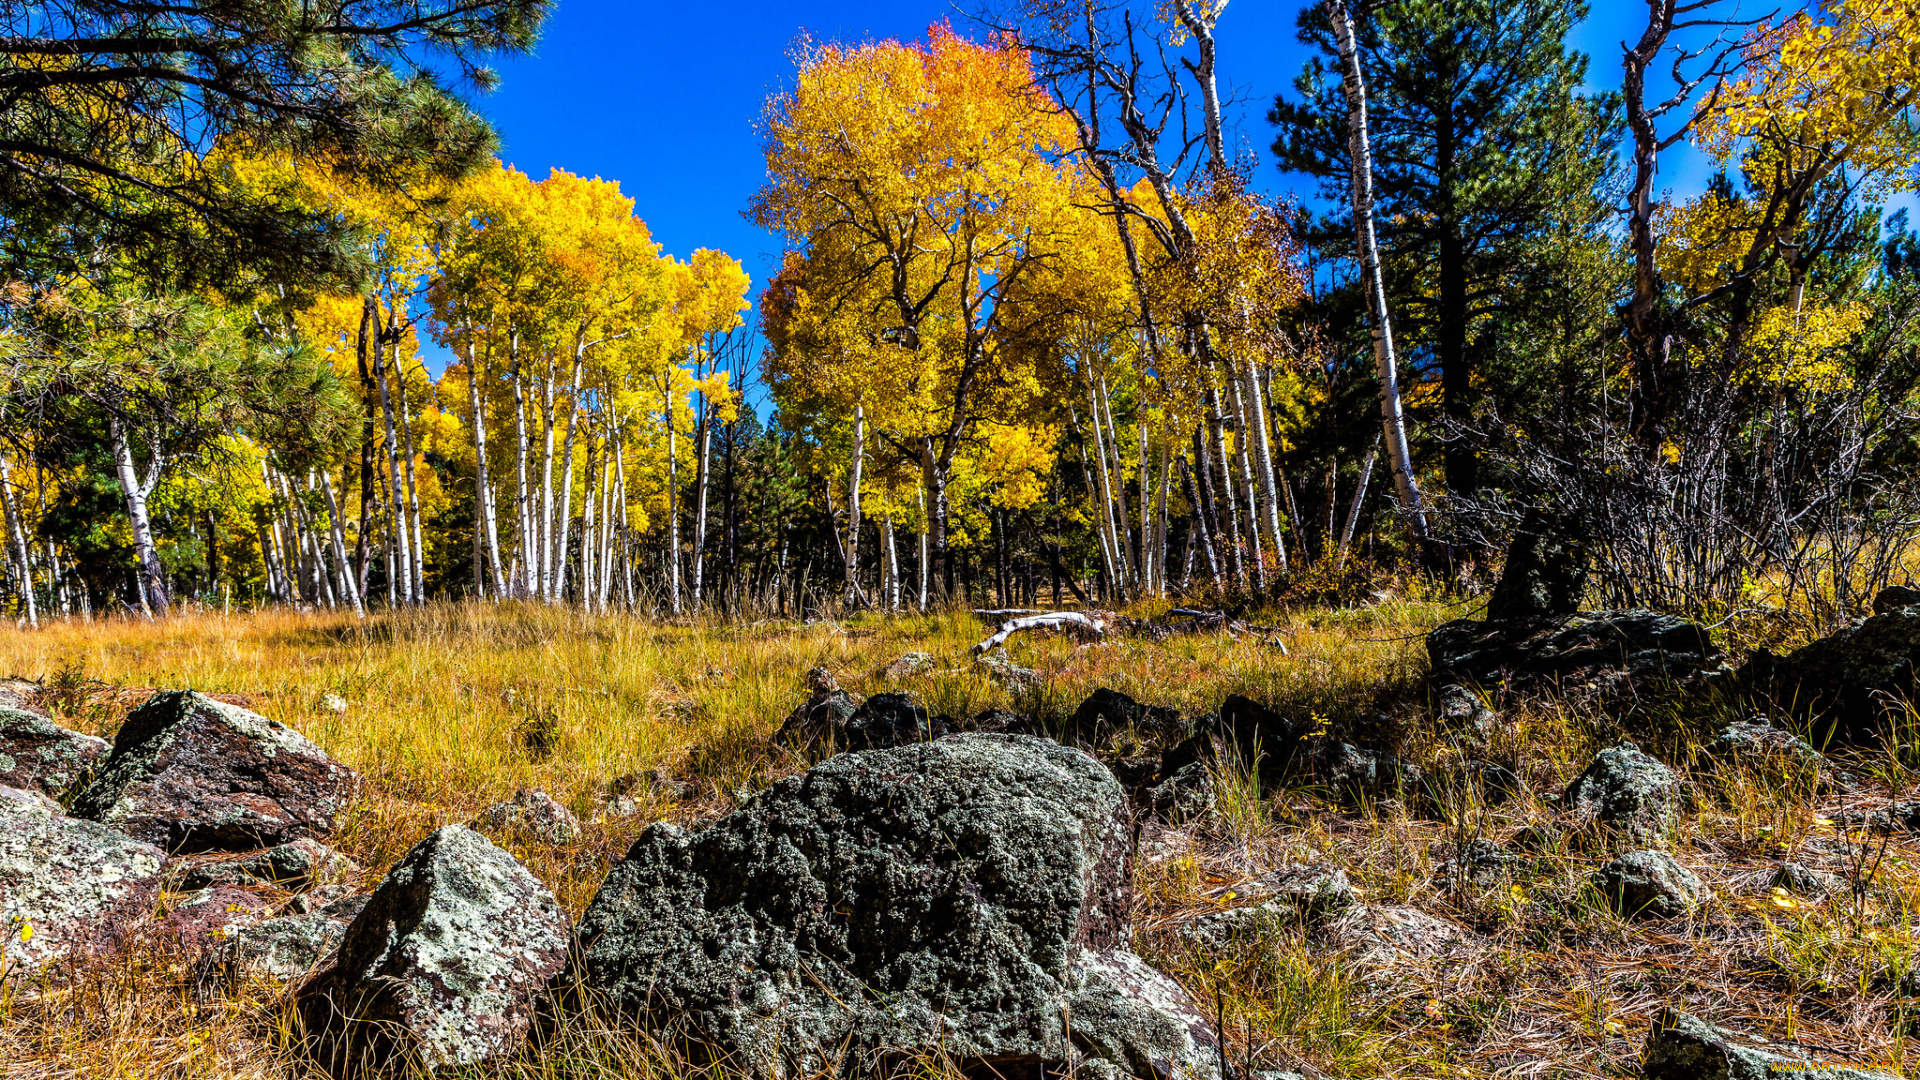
<point x="1592" y="844"/>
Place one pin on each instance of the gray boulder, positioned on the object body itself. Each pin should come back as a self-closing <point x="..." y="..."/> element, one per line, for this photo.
<point x="1895" y="598"/>
<point x="1613" y="651"/>
<point x="1683" y="1047"/>
<point x="1357" y="776"/>
<point x="819" y="724"/>
<point x="204" y="918"/>
<point x="192" y="774"/>
<point x="39" y="754"/>
<point x="1847" y="682"/>
<point x="441" y="968"/>
<point x="1756" y="744"/>
<point x="1291" y="896"/>
<point x="1185" y="796"/>
<point x="1649" y="884"/>
<point x="908" y="665"/>
<point x="290" y="947"/>
<point x="530" y="815"/>
<point x="1384" y="936"/>
<point x="67" y="887"/>
<point x="1546" y="571"/>
<point x="966" y="896"/>
<point x="1627" y="791"/>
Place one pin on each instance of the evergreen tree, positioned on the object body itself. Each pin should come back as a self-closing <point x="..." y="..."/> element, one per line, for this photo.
<point x="1482" y="141"/>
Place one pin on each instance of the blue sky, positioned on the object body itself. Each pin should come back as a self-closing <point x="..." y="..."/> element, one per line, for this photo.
<point x="663" y="97"/>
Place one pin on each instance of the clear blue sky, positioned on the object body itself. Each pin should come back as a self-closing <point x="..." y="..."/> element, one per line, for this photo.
<point x="663" y="97"/>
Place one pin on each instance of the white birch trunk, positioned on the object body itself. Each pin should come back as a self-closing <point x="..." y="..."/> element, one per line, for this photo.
<point x="485" y="512"/>
<point x="347" y="583"/>
<point x="150" y="576"/>
<point x="851" y="550"/>
<point x="401" y="558"/>
<point x="1393" y="420"/>
<point x="17" y="533"/>
<point x="566" y="476"/>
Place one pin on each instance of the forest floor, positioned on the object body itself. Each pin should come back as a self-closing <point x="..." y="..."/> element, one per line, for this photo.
<point x="450" y="709"/>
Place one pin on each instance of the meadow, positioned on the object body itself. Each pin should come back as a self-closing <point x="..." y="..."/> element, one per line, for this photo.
<point x="449" y="708"/>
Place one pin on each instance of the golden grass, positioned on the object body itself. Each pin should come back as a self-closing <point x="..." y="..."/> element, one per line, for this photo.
<point x="454" y="707"/>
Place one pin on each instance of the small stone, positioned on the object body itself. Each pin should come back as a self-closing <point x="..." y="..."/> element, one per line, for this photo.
<point x="333" y="703"/>
<point x="1001" y="668"/>
<point x="289" y="948"/>
<point x="1756" y="744"/>
<point x="1386" y="935"/>
<point x="39" y="754"/>
<point x="1293" y="896"/>
<point x="818" y="726"/>
<point x="1895" y="598"/>
<point x="532" y="815"/>
<point x="890" y="720"/>
<point x="1355" y="776"/>
<point x="1649" y="884"/>
<point x="1682" y="1047"/>
<point x="318" y="897"/>
<point x="1463" y="710"/>
<point x="442" y="967"/>
<point x="1187" y="795"/>
<point x="1477" y="857"/>
<point x="295" y="864"/>
<point x="1805" y="881"/>
<point x="190" y="774"/>
<point x="1627" y="791"/>
<point x="821" y="681"/>
<point x="66" y="886"/>
<point x="1108" y="713"/>
<point x="1540" y="838"/>
<point x="206" y="918"/>
<point x="907" y="666"/>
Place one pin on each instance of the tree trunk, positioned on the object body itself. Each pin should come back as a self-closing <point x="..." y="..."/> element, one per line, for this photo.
<point x="348" y="583"/>
<point x="1393" y="419"/>
<point x="1263" y="453"/>
<point x="485" y="513"/>
<point x="703" y="469"/>
<point x="1230" y="534"/>
<point x="1353" y="512"/>
<point x="851" y="550"/>
<point x="564" y="545"/>
<point x="673" y="506"/>
<point x="1244" y="445"/>
<point x="403" y="561"/>
<point x="17" y="533"/>
<point x="151" y="578"/>
<point x="419" y="543"/>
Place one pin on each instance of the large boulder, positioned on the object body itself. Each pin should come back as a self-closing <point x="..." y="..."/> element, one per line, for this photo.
<point x="1649" y="884"/>
<point x="890" y="720"/>
<point x="1683" y="1047"/>
<point x="189" y="773"/>
<point x="1850" y="682"/>
<point x="818" y="725"/>
<point x="531" y="815"/>
<point x="296" y="864"/>
<point x="1245" y="728"/>
<point x="1612" y="651"/>
<point x="67" y="887"/>
<point x="442" y="967"/>
<point x="1546" y="571"/>
<point x="966" y="896"/>
<point x="1627" y="791"/>
<point x="290" y="947"/>
<point x="37" y="753"/>
<point x="1108" y="716"/>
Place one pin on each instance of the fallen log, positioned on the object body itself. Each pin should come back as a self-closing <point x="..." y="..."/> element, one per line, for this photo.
<point x="1051" y="619"/>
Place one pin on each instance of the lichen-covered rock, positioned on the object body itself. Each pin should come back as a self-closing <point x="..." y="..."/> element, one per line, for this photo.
<point x="1384" y="936"/>
<point x="290" y="947"/>
<point x="1355" y="776"/>
<point x="205" y="918"/>
<point x="18" y="694"/>
<point x="1108" y="714"/>
<point x="1805" y="881"/>
<point x="1683" y="1047"/>
<point x="1649" y="884"/>
<point x="1546" y="571"/>
<point x="188" y="774"/>
<point x="1627" y="791"/>
<point x="908" y="665"/>
<point x="890" y="720"/>
<point x="1611" y="650"/>
<point x="442" y="966"/>
<point x="1756" y="744"/>
<point x="296" y="864"/>
<point x="1847" y="682"/>
<point x="1289" y="897"/>
<point x="966" y="895"/>
<point x="1895" y="598"/>
<point x="1000" y="667"/>
<point x="37" y="753"/>
<point x="67" y="886"/>
<point x="1185" y="796"/>
<point x="1462" y="709"/>
<point x="819" y="724"/>
<point x="532" y="815"/>
<point x="1256" y="736"/>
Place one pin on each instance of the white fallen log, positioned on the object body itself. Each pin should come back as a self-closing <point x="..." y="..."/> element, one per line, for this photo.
<point x="991" y="614"/>
<point x="1078" y="620"/>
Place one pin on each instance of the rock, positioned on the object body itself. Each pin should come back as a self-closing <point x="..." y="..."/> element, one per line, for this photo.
<point x="907" y="666"/>
<point x="1627" y="791"/>
<point x="1900" y="817"/>
<point x="1387" y="935"/>
<point x="1252" y="732"/>
<point x="39" y="754"/>
<point x="441" y="968"/>
<point x="333" y="703"/>
<point x="1107" y="714"/>
<point x="1895" y="598"/>
<point x="1185" y="796"/>
<point x="890" y="720"/>
<point x="206" y="918"/>
<point x="1649" y="884"/>
<point x="821" y="681"/>
<point x="1546" y="571"/>
<point x="289" y="948"/>
<point x="1848" y="683"/>
<point x="1001" y="668"/>
<point x="819" y="724"/>
<point x="1462" y="709"/>
<point x="962" y="896"/>
<point x="1614" y="651"/>
<point x="1756" y="744"/>
<point x="191" y="774"/>
<point x="318" y="897"/>
<point x="1805" y="881"/>
<point x="1471" y="783"/>
<point x="66" y="886"/>
<point x="532" y="815"/>
<point x="1479" y="856"/>
<point x="297" y="864"/>
<point x="1000" y="722"/>
<point x="1540" y="838"/>
<point x="1355" y="776"/>
<point x="1682" y="1047"/>
<point x="1293" y="896"/>
<point x="19" y="695"/>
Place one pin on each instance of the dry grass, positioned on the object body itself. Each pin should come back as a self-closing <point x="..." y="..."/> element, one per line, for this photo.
<point x="452" y="708"/>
